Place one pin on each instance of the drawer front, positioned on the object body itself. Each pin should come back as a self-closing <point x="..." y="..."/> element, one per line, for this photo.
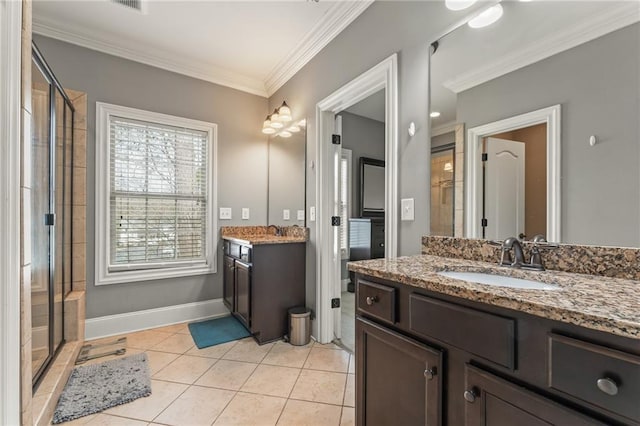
<point x="377" y="300"/>
<point x="600" y="376"/>
<point x="489" y="336"/>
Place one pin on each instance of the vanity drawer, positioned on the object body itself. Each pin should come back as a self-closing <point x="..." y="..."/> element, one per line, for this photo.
<point x="377" y="300"/>
<point x="600" y="376"/>
<point x="489" y="336"/>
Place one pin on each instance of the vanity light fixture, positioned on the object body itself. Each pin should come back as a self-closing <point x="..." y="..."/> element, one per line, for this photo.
<point x="266" y="126"/>
<point x="284" y="112"/>
<point x="284" y="134"/>
<point x="458" y="4"/>
<point x="487" y="17"/>
<point x="434" y="114"/>
<point x="276" y="123"/>
<point x="279" y="122"/>
<point x="448" y="167"/>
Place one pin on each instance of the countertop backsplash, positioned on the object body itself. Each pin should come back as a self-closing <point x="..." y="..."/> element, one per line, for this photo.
<point x="614" y="262"/>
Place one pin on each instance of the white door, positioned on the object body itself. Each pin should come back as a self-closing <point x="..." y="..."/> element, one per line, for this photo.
<point x="504" y="189"/>
<point x="336" y="282"/>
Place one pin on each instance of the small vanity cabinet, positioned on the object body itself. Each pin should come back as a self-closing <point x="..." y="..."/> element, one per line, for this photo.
<point x="261" y="282"/>
<point x="428" y="358"/>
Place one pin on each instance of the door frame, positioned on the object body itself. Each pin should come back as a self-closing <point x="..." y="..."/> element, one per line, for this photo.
<point x="473" y="149"/>
<point x="10" y="192"/>
<point x="382" y="76"/>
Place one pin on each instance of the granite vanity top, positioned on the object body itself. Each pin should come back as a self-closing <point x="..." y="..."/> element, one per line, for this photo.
<point x="256" y="235"/>
<point x="601" y="303"/>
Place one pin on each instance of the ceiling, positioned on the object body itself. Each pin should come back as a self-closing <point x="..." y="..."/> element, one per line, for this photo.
<point x="254" y="46"/>
<point x="527" y="33"/>
<point x="371" y="107"/>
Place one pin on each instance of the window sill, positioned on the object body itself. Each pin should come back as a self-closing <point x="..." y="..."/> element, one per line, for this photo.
<point x="123" y="277"/>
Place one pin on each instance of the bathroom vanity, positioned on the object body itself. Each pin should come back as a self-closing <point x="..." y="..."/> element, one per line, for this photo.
<point x="263" y="276"/>
<point x="440" y="351"/>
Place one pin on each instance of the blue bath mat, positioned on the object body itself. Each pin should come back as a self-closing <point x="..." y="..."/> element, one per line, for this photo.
<point x="216" y="331"/>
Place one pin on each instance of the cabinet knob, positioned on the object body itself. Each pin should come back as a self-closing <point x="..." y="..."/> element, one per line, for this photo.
<point x="371" y="300"/>
<point x="470" y="395"/>
<point x="608" y="386"/>
<point x="429" y="373"/>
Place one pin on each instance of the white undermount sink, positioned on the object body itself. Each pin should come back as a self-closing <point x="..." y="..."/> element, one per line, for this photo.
<point x="498" y="280"/>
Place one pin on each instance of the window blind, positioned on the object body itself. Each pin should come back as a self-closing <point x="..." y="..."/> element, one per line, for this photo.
<point x="158" y="194"/>
<point x="344" y="207"/>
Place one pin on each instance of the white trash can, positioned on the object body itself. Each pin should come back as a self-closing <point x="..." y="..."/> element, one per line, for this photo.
<point x="299" y="326"/>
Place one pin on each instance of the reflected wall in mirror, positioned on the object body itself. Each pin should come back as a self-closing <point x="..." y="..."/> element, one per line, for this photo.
<point x="372" y="184"/>
<point x="287" y="179"/>
<point x="583" y="57"/>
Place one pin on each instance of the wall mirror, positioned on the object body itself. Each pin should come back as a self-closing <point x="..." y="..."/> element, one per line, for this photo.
<point x="371" y="180"/>
<point x="287" y="179"/>
<point x="547" y="96"/>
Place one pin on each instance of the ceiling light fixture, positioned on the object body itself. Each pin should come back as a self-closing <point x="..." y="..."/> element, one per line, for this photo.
<point x="434" y="114"/>
<point x="458" y="4"/>
<point x="487" y="17"/>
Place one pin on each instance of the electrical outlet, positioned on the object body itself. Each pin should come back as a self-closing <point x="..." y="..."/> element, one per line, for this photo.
<point x="225" y="213"/>
<point x="245" y="213"/>
<point x="407" y="209"/>
<point x="286" y="214"/>
<point x="312" y="214"/>
<point x="300" y="214"/>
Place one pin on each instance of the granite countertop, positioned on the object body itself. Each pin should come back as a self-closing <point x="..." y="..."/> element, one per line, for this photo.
<point x="256" y="235"/>
<point x="601" y="303"/>
<point x="264" y="239"/>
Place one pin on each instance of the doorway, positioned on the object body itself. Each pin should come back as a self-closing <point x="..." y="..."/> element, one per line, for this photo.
<point x="328" y="255"/>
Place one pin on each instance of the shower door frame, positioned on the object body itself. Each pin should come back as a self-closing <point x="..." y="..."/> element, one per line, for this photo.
<point x="54" y="88"/>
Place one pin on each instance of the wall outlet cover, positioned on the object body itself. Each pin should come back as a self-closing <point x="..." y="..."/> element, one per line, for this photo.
<point x="407" y="206"/>
<point x="245" y="213"/>
<point x="300" y="214"/>
<point x="286" y="214"/>
<point x="312" y="214"/>
<point x="225" y="213"/>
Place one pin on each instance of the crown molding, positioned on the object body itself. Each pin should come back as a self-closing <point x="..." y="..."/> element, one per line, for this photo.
<point x="110" y="45"/>
<point x="337" y="18"/>
<point x="626" y="14"/>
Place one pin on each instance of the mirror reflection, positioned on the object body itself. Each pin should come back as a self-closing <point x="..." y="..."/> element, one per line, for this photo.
<point x="286" y="186"/>
<point x="547" y="97"/>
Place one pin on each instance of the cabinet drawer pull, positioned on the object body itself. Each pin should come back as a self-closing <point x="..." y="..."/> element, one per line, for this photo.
<point x="429" y="373"/>
<point x="371" y="300"/>
<point x="470" y="395"/>
<point x="608" y="386"/>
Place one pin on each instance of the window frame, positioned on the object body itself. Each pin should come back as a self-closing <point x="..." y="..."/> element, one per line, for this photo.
<point x="347" y="155"/>
<point x="104" y="275"/>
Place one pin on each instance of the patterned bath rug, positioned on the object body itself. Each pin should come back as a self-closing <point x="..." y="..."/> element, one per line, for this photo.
<point x="94" y="388"/>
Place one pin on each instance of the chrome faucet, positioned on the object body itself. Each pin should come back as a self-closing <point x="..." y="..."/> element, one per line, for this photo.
<point x="512" y="243"/>
<point x="535" y="260"/>
<point x="278" y="230"/>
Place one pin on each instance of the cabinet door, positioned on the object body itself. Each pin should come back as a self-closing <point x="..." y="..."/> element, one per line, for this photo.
<point x="243" y="292"/>
<point x="228" y="283"/>
<point x="491" y="401"/>
<point x="399" y="380"/>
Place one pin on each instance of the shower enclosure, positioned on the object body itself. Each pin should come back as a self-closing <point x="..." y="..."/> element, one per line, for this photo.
<point x="51" y="153"/>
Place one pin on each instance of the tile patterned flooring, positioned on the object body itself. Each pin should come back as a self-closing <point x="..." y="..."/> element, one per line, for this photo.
<point x="236" y="383"/>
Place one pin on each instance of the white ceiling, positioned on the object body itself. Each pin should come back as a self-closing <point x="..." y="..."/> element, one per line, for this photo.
<point x="254" y="46"/>
<point x="527" y="32"/>
<point x="371" y="107"/>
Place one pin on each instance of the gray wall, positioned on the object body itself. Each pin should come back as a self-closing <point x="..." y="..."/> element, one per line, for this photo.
<point x="286" y="178"/>
<point x="403" y="27"/>
<point x="598" y="88"/>
<point x="443" y="139"/>
<point x="242" y="154"/>
<point x="365" y="138"/>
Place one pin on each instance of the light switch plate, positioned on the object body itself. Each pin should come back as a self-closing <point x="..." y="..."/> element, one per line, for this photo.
<point x="245" y="213"/>
<point x="225" y="213"/>
<point x="407" y="209"/>
<point x="300" y="214"/>
<point x="312" y="214"/>
<point x="286" y="214"/>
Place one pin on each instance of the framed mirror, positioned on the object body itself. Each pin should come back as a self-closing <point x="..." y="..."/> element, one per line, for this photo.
<point x="372" y="187"/>
<point x="287" y="179"/>
<point x="547" y="97"/>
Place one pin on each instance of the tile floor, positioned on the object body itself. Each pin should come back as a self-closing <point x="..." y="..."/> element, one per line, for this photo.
<point x="236" y="383"/>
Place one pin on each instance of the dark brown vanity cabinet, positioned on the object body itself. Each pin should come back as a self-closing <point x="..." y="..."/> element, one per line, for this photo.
<point x="425" y="358"/>
<point x="406" y="391"/>
<point x="261" y="283"/>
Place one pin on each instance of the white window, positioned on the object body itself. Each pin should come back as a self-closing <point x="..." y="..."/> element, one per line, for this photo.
<point x="345" y="201"/>
<point x="155" y="195"/>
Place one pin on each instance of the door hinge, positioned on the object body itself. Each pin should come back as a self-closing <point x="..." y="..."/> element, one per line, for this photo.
<point x="485" y="156"/>
<point x="484" y="223"/>
<point x="335" y="303"/>
<point x="335" y="220"/>
<point x="49" y="219"/>
<point x="336" y="139"/>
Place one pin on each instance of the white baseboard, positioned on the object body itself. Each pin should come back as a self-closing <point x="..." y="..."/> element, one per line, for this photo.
<point x="112" y="325"/>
